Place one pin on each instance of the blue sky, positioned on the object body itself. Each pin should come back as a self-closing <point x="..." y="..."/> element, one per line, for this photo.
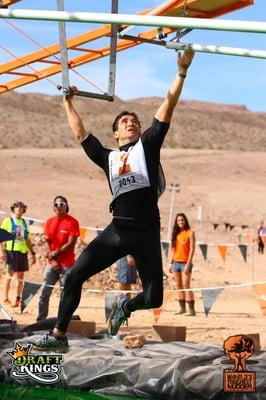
<point x="147" y="70"/>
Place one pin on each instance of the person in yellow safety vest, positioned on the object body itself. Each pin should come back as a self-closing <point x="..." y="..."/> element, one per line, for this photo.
<point x="15" y="252"/>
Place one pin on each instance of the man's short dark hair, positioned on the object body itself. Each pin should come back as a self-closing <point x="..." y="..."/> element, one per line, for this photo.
<point x="120" y="115"/>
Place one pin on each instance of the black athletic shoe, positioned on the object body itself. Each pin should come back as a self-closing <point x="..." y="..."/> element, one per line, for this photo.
<point x="50" y="342"/>
<point x="118" y="315"/>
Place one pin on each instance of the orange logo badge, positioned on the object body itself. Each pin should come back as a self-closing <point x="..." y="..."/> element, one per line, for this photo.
<point x="239" y="349"/>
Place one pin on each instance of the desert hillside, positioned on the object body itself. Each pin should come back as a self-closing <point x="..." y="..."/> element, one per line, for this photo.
<point x="229" y="185"/>
<point x="38" y="121"/>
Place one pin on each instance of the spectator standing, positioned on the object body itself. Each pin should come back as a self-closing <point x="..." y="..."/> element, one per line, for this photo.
<point x="183" y="248"/>
<point x="61" y="234"/>
<point x="15" y="252"/>
<point x="127" y="273"/>
<point x="261" y="234"/>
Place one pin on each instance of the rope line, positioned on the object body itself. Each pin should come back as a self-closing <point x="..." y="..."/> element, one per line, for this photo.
<point x="240" y="285"/>
<point x="50" y="54"/>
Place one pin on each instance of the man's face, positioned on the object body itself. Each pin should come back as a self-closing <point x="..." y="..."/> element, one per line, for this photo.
<point x="128" y="130"/>
<point x="60" y="207"/>
<point x="19" y="209"/>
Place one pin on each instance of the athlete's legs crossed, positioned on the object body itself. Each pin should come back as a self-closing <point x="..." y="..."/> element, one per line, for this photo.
<point x="101" y="253"/>
<point x="147" y="253"/>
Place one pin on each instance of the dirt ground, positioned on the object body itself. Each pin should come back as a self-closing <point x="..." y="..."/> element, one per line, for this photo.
<point x="230" y="188"/>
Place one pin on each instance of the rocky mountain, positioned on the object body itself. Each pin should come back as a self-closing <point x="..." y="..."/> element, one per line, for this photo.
<point x="38" y="121"/>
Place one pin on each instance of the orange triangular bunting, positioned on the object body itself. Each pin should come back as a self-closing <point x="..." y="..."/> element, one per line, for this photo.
<point x="83" y="233"/>
<point x="156" y="314"/>
<point x="157" y="311"/>
<point x="222" y="250"/>
<point x="260" y="292"/>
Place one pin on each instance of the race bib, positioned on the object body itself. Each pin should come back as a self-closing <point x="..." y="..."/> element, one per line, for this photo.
<point x="128" y="170"/>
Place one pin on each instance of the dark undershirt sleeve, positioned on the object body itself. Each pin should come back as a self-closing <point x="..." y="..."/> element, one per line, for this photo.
<point x="154" y="136"/>
<point x="95" y="151"/>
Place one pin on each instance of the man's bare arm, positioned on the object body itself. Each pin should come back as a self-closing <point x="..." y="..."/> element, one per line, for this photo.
<point x="73" y="117"/>
<point x="165" y="111"/>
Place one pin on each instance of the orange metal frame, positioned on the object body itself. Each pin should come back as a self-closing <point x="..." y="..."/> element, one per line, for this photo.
<point x="194" y="8"/>
<point x="6" y="3"/>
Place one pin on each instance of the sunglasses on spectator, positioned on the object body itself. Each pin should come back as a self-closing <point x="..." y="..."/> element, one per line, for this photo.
<point x="62" y="204"/>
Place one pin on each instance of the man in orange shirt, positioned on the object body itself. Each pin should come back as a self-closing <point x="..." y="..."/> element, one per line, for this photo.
<point x="62" y="232"/>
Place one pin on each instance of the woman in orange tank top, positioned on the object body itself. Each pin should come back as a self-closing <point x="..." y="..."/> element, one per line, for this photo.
<point x="183" y="248"/>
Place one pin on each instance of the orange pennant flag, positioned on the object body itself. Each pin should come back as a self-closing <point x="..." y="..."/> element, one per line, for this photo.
<point x="260" y="292"/>
<point x="157" y="311"/>
<point x="156" y="314"/>
<point x="82" y="233"/>
<point x="222" y="250"/>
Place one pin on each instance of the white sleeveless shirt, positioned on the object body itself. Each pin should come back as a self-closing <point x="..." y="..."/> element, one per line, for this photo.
<point x="128" y="170"/>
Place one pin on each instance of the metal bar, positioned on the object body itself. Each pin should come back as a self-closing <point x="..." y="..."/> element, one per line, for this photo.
<point x="63" y="50"/>
<point x="160" y="42"/>
<point x="173" y="188"/>
<point x="232" y="51"/>
<point x="105" y="18"/>
<point x="143" y="40"/>
<point x="104" y="96"/>
<point x="113" y="48"/>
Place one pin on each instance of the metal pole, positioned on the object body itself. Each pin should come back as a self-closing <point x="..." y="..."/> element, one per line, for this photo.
<point x="113" y="46"/>
<point x="199" y="222"/>
<point x="173" y="190"/>
<point x="232" y="51"/>
<point x="252" y="262"/>
<point x="63" y="50"/>
<point x="158" y="21"/>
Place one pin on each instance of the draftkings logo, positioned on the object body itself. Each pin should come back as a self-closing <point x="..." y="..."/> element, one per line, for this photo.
<point x="42" y="368"/>
<point x="239" y="348"/>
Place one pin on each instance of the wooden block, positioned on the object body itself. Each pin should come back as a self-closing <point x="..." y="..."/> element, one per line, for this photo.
<point x="256" y="338"/>
<point x="83" y="328"/>
<point x="169" y="333"/>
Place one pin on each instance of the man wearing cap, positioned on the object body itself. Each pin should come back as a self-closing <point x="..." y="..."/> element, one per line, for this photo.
<point x="15" y="252"/>
<point x="61" y="234"/>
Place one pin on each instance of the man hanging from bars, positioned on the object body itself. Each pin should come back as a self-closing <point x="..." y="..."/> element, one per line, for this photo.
<point x="136" y="181"/>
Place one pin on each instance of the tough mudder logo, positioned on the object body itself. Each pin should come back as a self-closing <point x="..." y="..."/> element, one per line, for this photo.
<point x="44" y="368"/>
<point x="239" y="348"/>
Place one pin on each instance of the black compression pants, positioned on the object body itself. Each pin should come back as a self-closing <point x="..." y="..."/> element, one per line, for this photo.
<point x="116" y="241"/>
